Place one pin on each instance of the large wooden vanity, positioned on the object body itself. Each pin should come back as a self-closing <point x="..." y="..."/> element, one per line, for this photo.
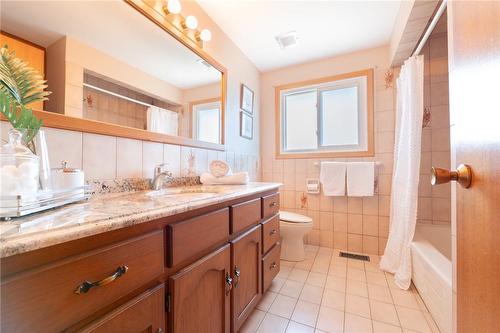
<point x="202" y="270"/>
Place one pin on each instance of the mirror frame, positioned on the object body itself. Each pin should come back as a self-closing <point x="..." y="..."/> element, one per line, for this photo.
<point x="61" y="121"/>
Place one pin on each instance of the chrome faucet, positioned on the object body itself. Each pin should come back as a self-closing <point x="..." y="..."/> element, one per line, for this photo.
<point x="160" y="176"/>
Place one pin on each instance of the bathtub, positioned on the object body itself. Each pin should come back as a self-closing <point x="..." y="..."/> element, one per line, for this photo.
<point x="432" y="271"/>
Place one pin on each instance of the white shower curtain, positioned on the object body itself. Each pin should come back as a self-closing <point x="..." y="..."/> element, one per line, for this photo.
<point x="162" y="121"/>
<point x="404" y="195"/>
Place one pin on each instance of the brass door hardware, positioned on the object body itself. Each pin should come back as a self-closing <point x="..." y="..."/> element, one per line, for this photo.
<point x="273" y="265"/>
<point x="273" y="232"/>
<point x="462" y="175"/>
<point x="237" y="274"/>
<point x="86" y="285"/>
<point x="229" y="283"/>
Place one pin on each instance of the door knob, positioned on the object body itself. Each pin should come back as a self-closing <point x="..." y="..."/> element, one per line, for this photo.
<point x="463" y="175"/>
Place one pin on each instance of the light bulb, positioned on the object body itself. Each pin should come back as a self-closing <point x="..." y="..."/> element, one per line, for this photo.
<point x="174" y="6"/>
<point x="191" y="22"/>
<point x="206" y="35"/>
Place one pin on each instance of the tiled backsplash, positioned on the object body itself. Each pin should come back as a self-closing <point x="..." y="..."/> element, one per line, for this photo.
<point x="107" y="157"/>
<point x="434" y="202"/>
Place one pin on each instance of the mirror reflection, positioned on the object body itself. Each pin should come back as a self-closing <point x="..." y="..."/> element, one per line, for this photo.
<point x="105" y="61"/>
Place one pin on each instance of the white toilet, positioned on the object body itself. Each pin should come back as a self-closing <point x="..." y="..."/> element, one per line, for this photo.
<point x="293" y="228"/>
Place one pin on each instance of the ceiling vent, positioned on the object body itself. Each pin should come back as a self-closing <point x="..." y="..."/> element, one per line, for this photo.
<point x="287" y="39"/>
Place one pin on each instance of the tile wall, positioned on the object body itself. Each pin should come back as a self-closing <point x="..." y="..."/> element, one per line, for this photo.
<point x="434" y="202"/>
<point x="349" y="223"/>
<point x="105" y="157"/>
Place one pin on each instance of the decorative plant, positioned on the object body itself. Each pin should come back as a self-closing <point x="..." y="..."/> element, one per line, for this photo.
<point x="20" y="86"/>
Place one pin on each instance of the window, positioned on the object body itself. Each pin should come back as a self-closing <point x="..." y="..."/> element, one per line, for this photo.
<point x="207" y="121"/>
<point x="328" y="117"/>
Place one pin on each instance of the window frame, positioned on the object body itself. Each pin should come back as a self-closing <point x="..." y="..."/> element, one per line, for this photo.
<point x="325" y="151"/>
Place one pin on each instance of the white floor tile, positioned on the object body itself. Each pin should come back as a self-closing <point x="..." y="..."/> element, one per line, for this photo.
<point x="333" y="299"/>
<point x="266" y="301"/>
<point x="306" y="313"/>
<point x="357" y="288"/>
<point x="299" y="275"/>
<point x="379" y="327"/>
<point x="404" y="298"/>
<point x="357" y="324"/>
<point x="277" y="284"/>
<point x="379" y="293"/>
<point x="316" y="279"/>
<point x="312" y="294"/>
<point x="412" y="319"/>
<point x="384" y="312"/>
<point x="335" y="283"/>
<point x="330" y="320"/>
<point x="283" y="306"/>
<point x="273" y="324"/>
<point x="252" y="323"/>
<point x="294" y="327"/>
<point x="291" y="288"/>
<point x="357" y="305"/>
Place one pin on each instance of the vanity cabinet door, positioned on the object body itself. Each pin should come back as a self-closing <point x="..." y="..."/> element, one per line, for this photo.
<point x="246" y="272"/>
<point x="144" y="313"/>
<point x="200" y="295"/>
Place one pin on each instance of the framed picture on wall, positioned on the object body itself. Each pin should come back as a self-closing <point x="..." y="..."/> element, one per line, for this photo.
<point x="246" y="125"/>
<point x="246" y="99"/>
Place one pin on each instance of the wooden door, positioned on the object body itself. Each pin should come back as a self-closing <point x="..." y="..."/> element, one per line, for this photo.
<point x="143" y="314"/>
<point x="474" y="63"/>
<point x="200" y="295"/>
<point x="246" y="271"/>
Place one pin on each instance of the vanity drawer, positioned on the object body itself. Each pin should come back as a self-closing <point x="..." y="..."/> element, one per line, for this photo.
<point x="270" y="233"/>
<point x="193" y="236"/>
<point x="270" y="205"/>
<point x="244" y="215"/>
<point x="270" y="266"/>
<point x="47" y="298"/>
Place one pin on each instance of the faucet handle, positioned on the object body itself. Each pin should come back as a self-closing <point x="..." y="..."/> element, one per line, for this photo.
<point x="160" y="168"/>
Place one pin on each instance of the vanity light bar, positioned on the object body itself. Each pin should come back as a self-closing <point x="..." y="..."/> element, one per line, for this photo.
<point x="185" y="25"/>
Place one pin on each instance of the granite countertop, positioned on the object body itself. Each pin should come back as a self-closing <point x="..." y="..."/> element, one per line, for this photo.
<point x="110" y="212"/>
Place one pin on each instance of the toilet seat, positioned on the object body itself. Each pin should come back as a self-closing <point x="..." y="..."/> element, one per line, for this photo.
<point x="289" y="217"/>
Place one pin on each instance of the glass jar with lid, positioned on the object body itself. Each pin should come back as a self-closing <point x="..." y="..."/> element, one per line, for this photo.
<point x="19" y="168"/>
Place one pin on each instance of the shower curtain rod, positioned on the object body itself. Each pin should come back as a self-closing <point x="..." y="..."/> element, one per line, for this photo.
<point x="124" y="97"/>
<point x="116" y="95"/>
<point x="429" y="29"/>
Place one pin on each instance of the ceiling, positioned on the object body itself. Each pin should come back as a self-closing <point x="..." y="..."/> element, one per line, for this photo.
<point x="324" y="28"/>
<point x="112" y="27"/>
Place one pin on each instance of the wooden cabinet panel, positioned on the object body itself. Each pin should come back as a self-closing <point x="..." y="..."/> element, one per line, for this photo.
<point x="193" y="236"/>
<point x="247" y="282"/>
<point x="37" y="297"/>
<point x="143" y="314"/>
<point x="270" y="205"/>
<point x="200" y="295"/>
<point x="33" y="54"/>
<point x="270" y="266"/>
<point x="270" y="233"/>
<point x="244" y="215"/>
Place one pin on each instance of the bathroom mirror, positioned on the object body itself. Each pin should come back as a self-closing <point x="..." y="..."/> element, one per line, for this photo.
<point x="114" y="69"/>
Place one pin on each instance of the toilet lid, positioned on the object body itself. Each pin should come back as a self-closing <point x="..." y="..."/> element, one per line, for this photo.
<point x="293" y="217"/>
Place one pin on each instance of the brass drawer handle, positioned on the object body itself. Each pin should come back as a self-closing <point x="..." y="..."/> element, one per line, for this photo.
<point x="273" y="232"/>
<point x="86" y="285"/>
<point x="229" y="283"/>
<point x="273" y="265"/>
<point x="273" y="204"/>
<point x="237" y="274"/>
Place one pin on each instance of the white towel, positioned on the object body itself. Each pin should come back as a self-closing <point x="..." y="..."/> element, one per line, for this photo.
<point x="332" y="177"/>
<point x="220" y="168"/>
<point x="360" y="179"/>
<point x="240" y="178"/>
